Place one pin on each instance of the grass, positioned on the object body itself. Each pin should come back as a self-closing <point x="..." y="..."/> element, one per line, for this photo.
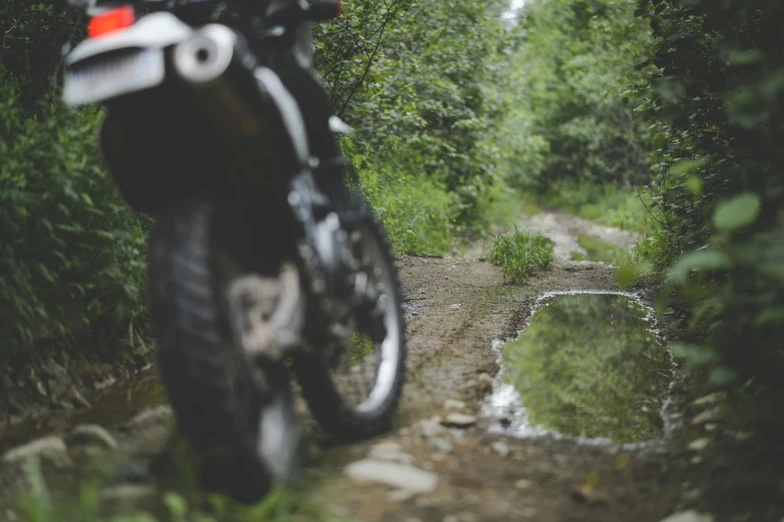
<point x="521" y="255"/>
<point x="598" y="250"/>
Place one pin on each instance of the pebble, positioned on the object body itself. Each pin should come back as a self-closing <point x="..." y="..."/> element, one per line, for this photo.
<point x="442" y="445"/>
<point x="429" y="428"/>
<point x="711" y="399"/>
<point x="707" y="416"/>
<point x="586" y="494"/>
<point x="91" y="434"/>
<point x="400" y="476"/>
<point x="452" y="404"/>
<point x="500" y="448"/>
<point x="699" y="444"/>
<point x="689" y="516"/>
<point x="400" y="495"/>
<point x="456" y="306"/>
<point x="52" y="449"/>
<point x="460" y="420"/>
<point x="439" y="457"/>
<point x="391" y="452"/>
<point x="524" y="484"/>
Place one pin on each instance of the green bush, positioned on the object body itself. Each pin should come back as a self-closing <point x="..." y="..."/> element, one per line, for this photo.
<point x="521" y="255"/>
<point x="715" y="90"/>
<point x="73" y="255"/>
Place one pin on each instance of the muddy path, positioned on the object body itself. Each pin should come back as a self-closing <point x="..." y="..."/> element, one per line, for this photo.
<point x="440" y="463"/>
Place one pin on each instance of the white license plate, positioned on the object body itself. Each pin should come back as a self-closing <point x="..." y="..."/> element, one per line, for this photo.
<point x="113" y="76"/>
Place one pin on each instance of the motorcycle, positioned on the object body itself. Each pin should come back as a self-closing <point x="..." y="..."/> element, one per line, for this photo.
<point x="260" y="272"/>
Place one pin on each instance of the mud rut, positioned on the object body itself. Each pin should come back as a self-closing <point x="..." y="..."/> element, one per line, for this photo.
<point x="456" y="308"/>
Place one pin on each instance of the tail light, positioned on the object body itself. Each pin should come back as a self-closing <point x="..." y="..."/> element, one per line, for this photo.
<point x="111" y="21"/>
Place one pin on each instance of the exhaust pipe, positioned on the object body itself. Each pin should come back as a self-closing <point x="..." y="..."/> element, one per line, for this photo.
<point x="215" y="64"/>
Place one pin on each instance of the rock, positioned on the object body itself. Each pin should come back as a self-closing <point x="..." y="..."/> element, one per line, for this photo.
<point x="148" y="417"/>
<point x="91" y="435"/>
<point x="710" y="400"/>
<point x="743" y="436"/>
<point x="452" y="404"/>
<point x="459" y="420"/>
<point x="429" y="428"/>
<point x="400" y="495"/>
<point x="696" y="460"/>
<point x="391" y="452"/>
<point x="524" y="484"/>
<point x="699" y="444"/>
<point x="442" y="445"/>
<point x="586" y="494"/>
<point x="52" y="449"/>
<point x="400" y="476"/>
<point x="714" y="415"/>
<point x="456" y="306"/>
<point x="689" y="516"/>
<point x="439" y="457"/>
<point x="500" y="448"/>
<point x="484" y="383"/>
<point x="711" y="426"/>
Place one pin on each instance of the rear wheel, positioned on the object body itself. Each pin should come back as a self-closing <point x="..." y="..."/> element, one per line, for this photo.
<point x="242" y="434"/>
<point x="353" y="388"/>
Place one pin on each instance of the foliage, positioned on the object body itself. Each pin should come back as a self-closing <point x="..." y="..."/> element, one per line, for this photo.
<point x="572" y="119"/>
<point x="521" y="255"/>
<point x="72" y="257"/>
<point x="715" y="87"/>
<point x="422" y="107"/>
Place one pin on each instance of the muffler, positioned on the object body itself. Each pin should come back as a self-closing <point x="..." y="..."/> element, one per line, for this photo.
<point x="218" y="67"/>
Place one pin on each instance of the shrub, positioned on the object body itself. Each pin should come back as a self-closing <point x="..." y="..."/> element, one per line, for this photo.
<point x="73" y="254"/>
<point x="521" y="255"/>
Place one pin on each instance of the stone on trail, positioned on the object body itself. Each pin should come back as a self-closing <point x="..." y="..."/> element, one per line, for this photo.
<point x="391" y="452"/>
<point x="500" y="448"/>
<point x="51" y="449"/>
<point x="699" y="444"/>
<point x="523" y="484"/>
<point x="91" y="435"/>
<point x="442" y="445"/>
<point x="689" y="516"/>
<point x="711" y="399"/>
<point x="459" y="420"/>
<point x="452" y="404"/>
<point x="396" y="475"/>
<point x="456" y="306"/>
<point x="708" y="416"/>
<point x="430" y="428"/>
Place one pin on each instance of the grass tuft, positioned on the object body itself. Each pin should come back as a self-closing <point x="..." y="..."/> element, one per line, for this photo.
<point x="521" y="255"/>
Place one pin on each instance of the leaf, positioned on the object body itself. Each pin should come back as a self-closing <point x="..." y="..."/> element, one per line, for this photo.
<point x="688" y="165"/>
<point x="737" y="212"/>
<point x="702" y="260"/>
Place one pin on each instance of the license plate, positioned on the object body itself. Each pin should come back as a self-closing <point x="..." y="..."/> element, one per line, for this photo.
<point x="112" y="76"/>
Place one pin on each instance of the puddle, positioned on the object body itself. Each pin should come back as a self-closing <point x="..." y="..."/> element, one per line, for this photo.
<point x="587" y="366"/>
<point x="112" y="405"/>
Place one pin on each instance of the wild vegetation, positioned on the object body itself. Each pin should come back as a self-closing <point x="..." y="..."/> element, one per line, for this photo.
<point x="658" y="116"/>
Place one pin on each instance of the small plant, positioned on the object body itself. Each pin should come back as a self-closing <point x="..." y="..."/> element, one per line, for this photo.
<point x="521" y="255"/>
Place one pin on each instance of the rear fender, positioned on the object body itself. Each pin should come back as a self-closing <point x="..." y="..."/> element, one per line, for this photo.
<point x="154" y="32"/>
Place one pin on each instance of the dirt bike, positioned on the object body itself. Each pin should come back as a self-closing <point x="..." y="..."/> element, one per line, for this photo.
<point x="259" y="272"/>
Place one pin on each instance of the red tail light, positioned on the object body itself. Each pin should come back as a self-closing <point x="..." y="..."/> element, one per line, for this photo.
<point x="111" y="21"/>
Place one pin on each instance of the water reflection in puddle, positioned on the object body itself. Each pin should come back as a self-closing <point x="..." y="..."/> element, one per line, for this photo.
<point x="588" y="366"/>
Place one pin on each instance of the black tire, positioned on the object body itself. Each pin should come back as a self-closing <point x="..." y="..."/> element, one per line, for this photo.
<point x="192" y="340"/>
<point x="325" y="401"/>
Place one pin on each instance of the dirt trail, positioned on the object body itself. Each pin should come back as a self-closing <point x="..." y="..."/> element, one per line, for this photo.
<point x="457" y="307"/>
